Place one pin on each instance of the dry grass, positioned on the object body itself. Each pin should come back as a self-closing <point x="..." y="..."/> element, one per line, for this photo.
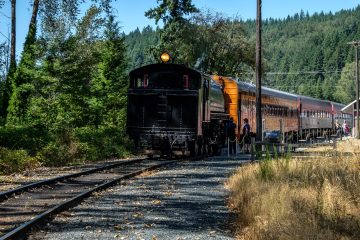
<point x="346" y="145"/>
<point x="289" y="199"/>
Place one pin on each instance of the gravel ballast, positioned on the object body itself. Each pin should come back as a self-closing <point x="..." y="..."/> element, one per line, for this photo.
<point x="184" y="201"/>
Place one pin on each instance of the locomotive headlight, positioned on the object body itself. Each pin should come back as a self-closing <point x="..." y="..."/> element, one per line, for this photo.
<point x="165" y="57"/>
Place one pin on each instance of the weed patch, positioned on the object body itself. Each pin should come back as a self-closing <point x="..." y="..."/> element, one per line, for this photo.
<point x="317" y="198"/>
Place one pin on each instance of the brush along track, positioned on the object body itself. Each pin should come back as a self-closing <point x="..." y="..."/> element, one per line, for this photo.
<point x="18" y="215"/>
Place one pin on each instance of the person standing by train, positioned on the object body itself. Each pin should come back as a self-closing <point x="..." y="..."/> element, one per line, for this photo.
<point x="246" y="136"/>
<point x="346" y="129"/>
<point x="230" y="130"/>
<point x="338" y="129"/>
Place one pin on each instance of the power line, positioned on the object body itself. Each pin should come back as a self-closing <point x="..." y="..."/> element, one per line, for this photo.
<point x="302" y="72"/>
<point x="294" y="73"/>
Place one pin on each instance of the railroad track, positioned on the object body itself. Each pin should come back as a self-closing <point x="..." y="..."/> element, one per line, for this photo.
<point x="27" y="207"/>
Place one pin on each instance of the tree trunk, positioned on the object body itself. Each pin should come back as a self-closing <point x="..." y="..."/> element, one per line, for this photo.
<point x="13" y="36"/>
<point x="12" y="68"/>
<point x="34" y="13"/>
<point x="31" y="36"/>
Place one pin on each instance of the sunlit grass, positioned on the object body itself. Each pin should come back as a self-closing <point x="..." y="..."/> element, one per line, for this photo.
<point x="318" y="198"/>
<point x="345" y="145"/>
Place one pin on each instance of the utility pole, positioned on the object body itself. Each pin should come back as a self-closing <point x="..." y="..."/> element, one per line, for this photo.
<point x="258" y="73"/>
<point x="356" y="45"/>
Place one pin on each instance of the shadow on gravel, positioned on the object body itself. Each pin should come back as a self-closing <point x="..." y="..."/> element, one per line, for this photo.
<point x="188" y="197"/>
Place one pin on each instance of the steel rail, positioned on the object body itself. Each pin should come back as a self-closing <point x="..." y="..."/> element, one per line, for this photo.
<point x="21" y="231"/>
<point x="13" y="192"/>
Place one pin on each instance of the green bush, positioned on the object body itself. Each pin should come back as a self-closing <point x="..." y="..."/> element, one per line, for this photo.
<point x="64" y="149"/>
<point x="16" y="161"/>
<point x="103" y="142"/>
<point x="30" y="138"/>
<point x="85" y="144"/>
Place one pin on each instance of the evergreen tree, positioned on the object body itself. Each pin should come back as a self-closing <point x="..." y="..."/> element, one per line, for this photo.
<point x="25" y="75"/>
<point x="345" y="90"/>
<point x="113" y="68"/>
<point x="172" y="13"/>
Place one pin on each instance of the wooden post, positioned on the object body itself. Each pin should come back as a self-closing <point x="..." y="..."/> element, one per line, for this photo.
<point x="252" y="146"/>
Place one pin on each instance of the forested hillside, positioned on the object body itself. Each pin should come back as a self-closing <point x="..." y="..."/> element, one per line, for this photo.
<point x="139" y="44"/>
<point x="303" y="54"/>
<point x="312" y="52"/>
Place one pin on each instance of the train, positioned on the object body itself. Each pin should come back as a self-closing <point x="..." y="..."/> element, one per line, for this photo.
<point x="176" y="110"/>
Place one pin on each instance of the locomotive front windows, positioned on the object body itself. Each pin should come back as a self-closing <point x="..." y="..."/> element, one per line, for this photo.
<point x="167" y="80"/>
<point x="141" y="82"/>
<point x="138" y="82"/>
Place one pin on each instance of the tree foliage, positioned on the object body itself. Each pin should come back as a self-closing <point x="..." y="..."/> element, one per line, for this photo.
<point x="306" y="54"/>
<point x="345" y="89"/>
<point x="171" y="11"/>
<point x="139" y="44"/>
<point x="173" y="14"/>
<point x="71" y="83"/>
<point x="206" y="41"/>
<point x="23" y="77"/>
<point x="218" y="44"/>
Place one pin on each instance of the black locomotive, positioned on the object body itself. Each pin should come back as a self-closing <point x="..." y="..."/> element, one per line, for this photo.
<point x="173" y="109"/>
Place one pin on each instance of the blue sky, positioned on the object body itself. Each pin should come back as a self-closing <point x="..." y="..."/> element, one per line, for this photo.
<point x="130" y="19"/>
<point x="130" y="13"/>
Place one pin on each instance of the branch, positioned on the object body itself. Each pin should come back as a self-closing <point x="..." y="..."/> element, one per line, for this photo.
<point x="5" y="15"/>
<point x="4" y="36"/>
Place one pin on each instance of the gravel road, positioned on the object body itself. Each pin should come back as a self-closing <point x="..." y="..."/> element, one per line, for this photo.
<point x="184" y="201"/>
